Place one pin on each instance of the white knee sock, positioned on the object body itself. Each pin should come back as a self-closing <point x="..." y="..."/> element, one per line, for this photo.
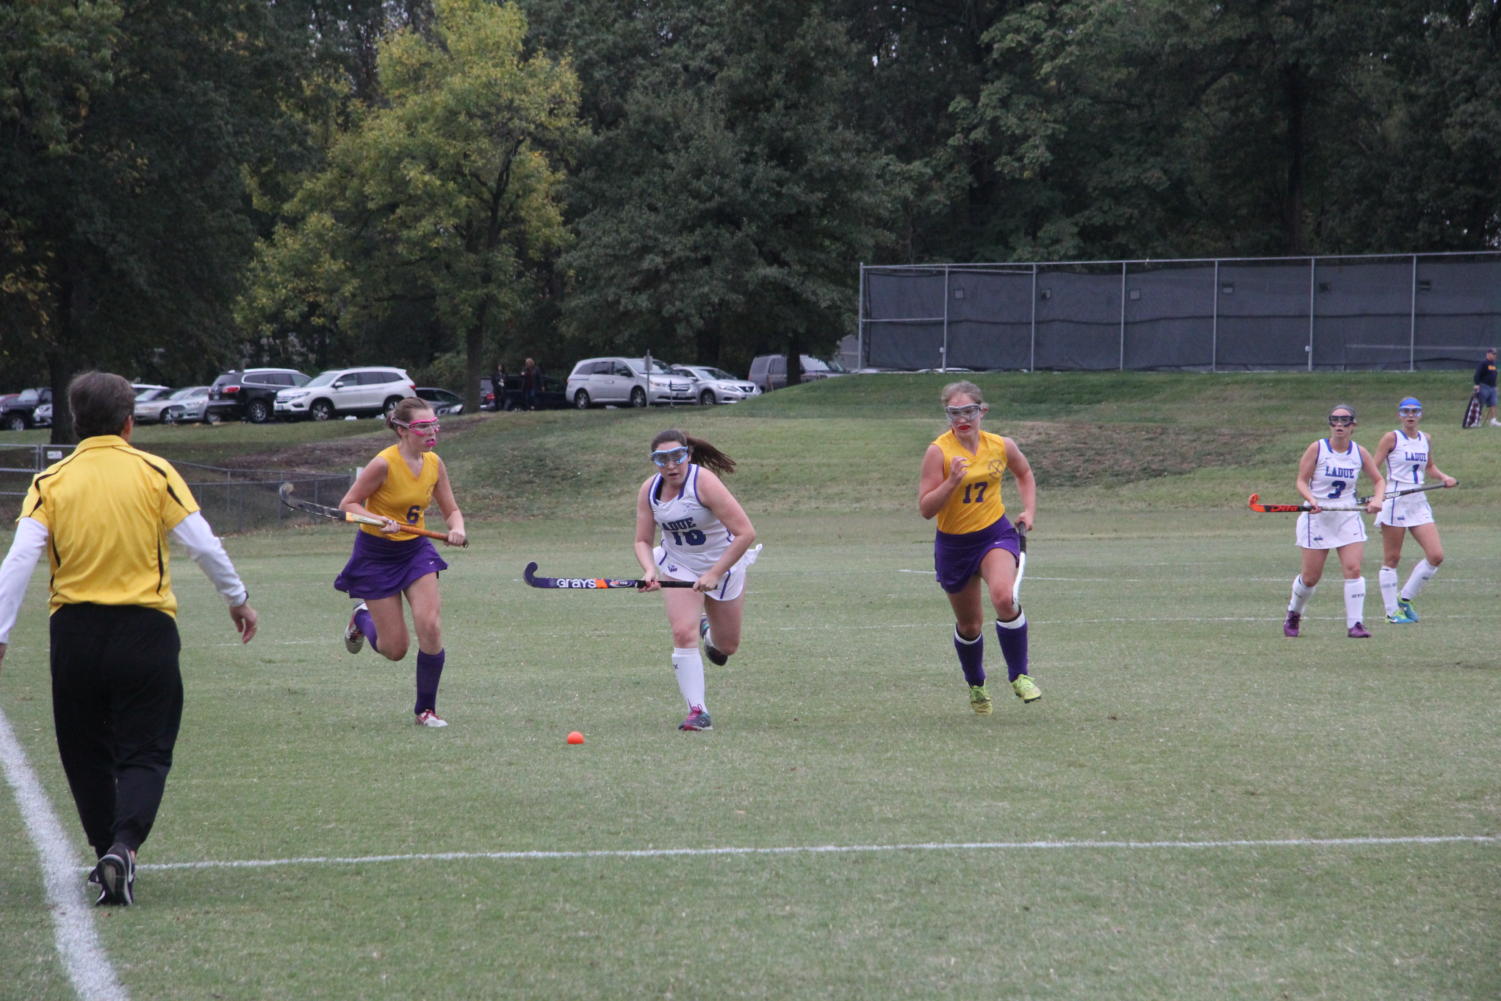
<point x="1387" y="579"/>
<point x="1354" y="601"/>
<point x="1301" y="593"/>
<point x="1418" y="579"/>
<point x="688" y="665"/>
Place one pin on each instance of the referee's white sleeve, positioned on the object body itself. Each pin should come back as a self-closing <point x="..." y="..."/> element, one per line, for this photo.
<point x="25" y="549"/>
<point x="195" y="535"/>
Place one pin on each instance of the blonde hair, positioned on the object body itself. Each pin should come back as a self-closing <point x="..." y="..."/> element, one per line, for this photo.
<point x="962" y="386"/>
<point x="404" y="409"/>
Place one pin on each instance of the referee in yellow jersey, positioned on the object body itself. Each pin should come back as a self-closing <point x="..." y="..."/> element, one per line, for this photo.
<point x="103" y="516"/>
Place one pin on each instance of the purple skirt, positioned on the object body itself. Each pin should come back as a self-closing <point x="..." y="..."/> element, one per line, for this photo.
<point x="957" y="558"/>
<point x="379" y="568"/>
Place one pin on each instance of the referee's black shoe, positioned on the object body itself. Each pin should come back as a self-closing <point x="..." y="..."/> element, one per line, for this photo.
<point x="115" y="874"/>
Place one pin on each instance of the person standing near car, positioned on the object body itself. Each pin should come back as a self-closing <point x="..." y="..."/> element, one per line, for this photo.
<point x="531" y="385"/>
<point x="1485" y="386"/>
<point x="388" y="563"/>
<point x="498" y="385"/>
<point x="116" y="684"/>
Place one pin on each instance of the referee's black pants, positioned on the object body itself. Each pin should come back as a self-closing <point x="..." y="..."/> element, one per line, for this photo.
<point x="116" y="706"/>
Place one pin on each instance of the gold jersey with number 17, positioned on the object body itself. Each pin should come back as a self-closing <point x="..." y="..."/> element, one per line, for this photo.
<point x="976" y="501"/>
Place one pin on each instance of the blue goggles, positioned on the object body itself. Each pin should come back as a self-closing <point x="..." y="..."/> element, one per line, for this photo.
<point x="671" y="456"/>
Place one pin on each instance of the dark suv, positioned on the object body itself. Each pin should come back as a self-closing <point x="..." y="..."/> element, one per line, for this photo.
<point x="18" y="412"/>
<point x="249" y="394"/>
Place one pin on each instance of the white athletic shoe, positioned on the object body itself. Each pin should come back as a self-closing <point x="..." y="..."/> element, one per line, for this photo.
<point x="429" y="718"/>
<point x="1495" y="423"/>
<point x="353" y="638"/>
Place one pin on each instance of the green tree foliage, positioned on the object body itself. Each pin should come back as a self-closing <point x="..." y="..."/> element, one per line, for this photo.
<point x="727" y="198"/>
<point x="436" y="204"/>
<point x="1165" y="128"/>
<point x="130" y="130"/>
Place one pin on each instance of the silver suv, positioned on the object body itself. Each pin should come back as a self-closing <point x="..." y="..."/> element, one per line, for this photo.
<point x="344" y="391"/>
<point x="626" y="380"/>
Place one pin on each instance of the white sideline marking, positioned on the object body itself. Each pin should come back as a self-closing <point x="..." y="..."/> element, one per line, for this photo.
<point x="928" y="846"/>
<point x="82" y="955"/>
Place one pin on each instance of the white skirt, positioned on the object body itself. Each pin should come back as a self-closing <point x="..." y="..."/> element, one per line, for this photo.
<point x="1406" y="512"/>
<point x="730" y="585"/>
<point x="1329" y="529"/>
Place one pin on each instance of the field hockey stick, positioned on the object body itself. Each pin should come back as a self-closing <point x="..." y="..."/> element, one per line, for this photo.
<point x="338" y="514"/>
<point x="1415" y="490"/>
<point x="1255" y="505"/>
<point x="591" y="583"/>
<point x="1021" y="564"/>
<point x="1360" y="502"/>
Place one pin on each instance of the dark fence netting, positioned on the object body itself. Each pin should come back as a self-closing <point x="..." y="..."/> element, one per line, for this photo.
<point x="1324" y="313"/>
<point x="232" y="500"/>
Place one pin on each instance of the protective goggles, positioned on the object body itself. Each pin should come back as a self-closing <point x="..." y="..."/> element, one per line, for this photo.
<point x="1409" y="411"/>
<point x="968" y="413"/>
<point x="1340" y="420"/>
<point x="670" y="456"/>
<point x="420" y="427"/>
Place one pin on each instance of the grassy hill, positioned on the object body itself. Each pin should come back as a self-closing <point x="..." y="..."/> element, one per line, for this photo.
<point x="1098" y="441"/>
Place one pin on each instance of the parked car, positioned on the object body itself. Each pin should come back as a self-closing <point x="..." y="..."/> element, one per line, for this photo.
<point x="249" y="394"/>
<point x="444" y="401"/>
<point x="626" y="380"/>
<point x="552" y="397"/>
<point x="150" y="390"/>
<point x="186" y="404"/>
<point x="715" y="385"/>
<point x="340" y="391"/>
<point x="770" y="371"/>
<point x="42" y="415"/>
<point x="18" y="411"/>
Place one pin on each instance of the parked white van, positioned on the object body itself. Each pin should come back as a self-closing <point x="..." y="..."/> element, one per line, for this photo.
<point x="626" y="380"/>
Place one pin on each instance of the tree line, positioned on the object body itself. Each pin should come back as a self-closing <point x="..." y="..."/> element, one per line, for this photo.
<point x="444" y="184"/>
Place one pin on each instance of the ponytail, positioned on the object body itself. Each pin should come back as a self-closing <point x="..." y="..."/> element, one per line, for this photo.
<point x="699" y="451"/>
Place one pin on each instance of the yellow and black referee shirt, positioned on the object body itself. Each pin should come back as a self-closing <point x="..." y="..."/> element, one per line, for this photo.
<point x="108" y="509"/>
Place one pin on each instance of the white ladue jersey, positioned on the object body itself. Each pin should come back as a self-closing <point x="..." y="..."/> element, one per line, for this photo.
<point x="692" y="537"/>
<point x="1335" y="473"/>
<point x="1407" y="462"/>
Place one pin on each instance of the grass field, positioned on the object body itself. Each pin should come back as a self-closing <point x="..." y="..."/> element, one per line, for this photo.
<point x="1197" y="808"/>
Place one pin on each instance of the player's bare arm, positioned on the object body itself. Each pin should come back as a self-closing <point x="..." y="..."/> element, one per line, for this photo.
<point x="936" y="484"/>
<point x="366" y="483"/>
<point x="1026" y="484"/>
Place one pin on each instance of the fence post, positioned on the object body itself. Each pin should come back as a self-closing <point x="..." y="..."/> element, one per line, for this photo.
<point x="1412" y="316"/>
<point x="1214" y="319"/>
<point x="1032" y="349"/>
<point x="943" y="352"/>
<point x="1311" y="286"/>
<point x="860" y="321"/>
<point x="1122" y="364"/>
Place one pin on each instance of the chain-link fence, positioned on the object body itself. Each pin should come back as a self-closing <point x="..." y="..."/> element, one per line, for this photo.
<point x="233" y="500"/>
<point x="1403" y="312"/>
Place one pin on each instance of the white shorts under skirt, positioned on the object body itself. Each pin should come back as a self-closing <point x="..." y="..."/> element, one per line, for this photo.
<point x="1406" y="512"/>
<point x="1329" y="529"/>
<point x="730" y="585"/>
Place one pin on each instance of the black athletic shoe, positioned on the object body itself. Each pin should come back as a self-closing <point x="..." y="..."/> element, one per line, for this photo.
<point x="115" y="875"/>
<point x="715" y="657"/>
